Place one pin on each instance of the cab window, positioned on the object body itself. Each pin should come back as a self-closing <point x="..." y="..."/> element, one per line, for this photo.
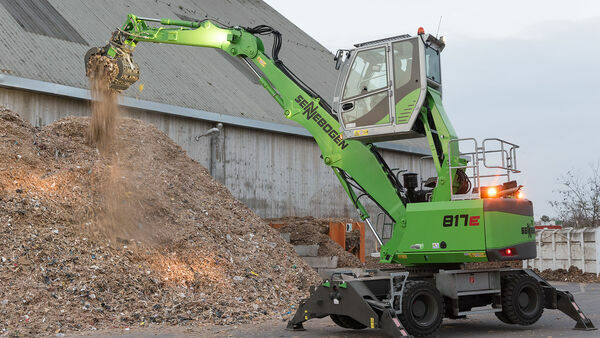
<point x="406" y="68"/>
<point x="432" y="62"/>
<point x="367" y="74"/>
<point x="403" y="63"/>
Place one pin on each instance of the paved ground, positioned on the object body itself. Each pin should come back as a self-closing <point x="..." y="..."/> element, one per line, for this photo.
<point x="552" y="324"/>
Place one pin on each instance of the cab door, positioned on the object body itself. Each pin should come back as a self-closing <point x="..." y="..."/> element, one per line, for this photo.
<point x="366" y="94"/>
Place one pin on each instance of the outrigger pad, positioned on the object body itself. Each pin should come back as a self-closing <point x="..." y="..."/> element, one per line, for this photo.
<point x="295" y="324"/>
<point x="295" y="327"/>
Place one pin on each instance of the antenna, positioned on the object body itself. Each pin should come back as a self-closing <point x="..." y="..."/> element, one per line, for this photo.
<point x="438" y="29"/>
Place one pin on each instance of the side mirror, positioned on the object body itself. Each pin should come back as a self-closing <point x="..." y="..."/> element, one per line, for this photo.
<point x="339" y="58"/>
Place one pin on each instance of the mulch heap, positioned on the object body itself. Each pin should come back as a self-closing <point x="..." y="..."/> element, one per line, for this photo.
<point x="310" y="230"/>
<point x="139" y="237"/>
<point x="574" y="275"/>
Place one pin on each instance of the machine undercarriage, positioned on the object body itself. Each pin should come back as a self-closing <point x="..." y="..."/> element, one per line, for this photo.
<point x="404" y="304"/>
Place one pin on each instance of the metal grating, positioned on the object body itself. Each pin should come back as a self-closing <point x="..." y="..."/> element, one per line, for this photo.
<point x="40" y="17"/>
<point x="374" y="42"/>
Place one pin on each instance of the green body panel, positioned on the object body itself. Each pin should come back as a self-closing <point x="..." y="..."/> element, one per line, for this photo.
<point x="405" y="107"/>
<point x="446" y="257"/>
<point x="414" y="223"/>
<point x="428" y="218"/>
<point x="467" y="238"/>
<point x="503" y="230"/>
<point x="424" y="227"/>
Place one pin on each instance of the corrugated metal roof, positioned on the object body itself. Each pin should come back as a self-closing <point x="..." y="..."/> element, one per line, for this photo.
<point x="40" y="17"/>
<point x="199" y="78"/>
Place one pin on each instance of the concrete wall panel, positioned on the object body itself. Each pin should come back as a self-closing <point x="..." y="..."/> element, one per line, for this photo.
<point x="280" y="175"/>
<point x="561" y="249"/>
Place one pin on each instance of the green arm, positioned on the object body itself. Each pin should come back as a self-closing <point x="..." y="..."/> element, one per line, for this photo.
<point x="236" y="42"/>
<point x="344" y="156"/>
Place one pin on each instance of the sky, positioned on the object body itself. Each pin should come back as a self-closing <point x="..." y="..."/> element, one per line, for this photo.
<point x="524" y="71"/>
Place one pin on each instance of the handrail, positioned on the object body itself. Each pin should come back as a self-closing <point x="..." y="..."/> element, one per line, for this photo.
<point x="508" y="155"/>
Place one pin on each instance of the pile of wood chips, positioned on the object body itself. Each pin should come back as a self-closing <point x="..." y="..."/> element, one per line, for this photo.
<point x="309" y="230"/>
<point x="573" y="275"/>
<point x="139" y="238"/>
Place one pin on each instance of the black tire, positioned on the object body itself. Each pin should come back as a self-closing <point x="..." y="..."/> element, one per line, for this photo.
<point x="503" y="317"/>
<point x="522" y="300"/>
<point x="347" y="322"/>
<point x="422" y="308"/>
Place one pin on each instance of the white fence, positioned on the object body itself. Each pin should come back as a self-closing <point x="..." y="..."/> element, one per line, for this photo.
<point x="563" y="248"/>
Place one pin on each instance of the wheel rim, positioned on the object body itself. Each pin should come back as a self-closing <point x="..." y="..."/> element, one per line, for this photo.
<point x="528" y="300"/>
<point x="424" y="309"/>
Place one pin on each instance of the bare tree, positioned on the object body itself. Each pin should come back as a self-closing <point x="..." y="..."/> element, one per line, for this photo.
<point x="580" y="198"/>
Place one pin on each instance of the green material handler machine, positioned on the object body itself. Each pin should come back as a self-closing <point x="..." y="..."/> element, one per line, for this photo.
<point x="391" y="90"/>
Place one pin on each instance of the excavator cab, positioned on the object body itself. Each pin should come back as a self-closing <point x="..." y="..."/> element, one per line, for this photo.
<point x="382" y="86"/>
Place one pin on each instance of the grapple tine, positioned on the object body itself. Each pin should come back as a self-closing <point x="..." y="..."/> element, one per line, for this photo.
<point x="123" y="71"/>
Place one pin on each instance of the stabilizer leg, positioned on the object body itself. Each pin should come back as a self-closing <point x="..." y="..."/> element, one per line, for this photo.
<point x="564" y="302"/>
